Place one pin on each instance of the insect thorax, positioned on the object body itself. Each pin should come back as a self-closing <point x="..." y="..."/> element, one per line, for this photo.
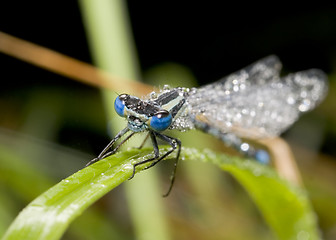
<point x="174" y="100"/>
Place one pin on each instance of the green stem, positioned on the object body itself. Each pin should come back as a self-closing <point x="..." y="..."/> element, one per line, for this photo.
<point x="113" y="50"/>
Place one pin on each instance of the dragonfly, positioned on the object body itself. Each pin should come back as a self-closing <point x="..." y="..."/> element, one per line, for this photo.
<point x="252" y="103"/>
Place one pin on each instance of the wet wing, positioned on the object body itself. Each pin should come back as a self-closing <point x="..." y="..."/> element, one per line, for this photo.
<point x="255" y="102"/>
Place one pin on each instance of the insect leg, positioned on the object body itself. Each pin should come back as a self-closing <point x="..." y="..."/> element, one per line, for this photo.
<point x="117" y="147"/>
<point x="156" y="153"/>
<point x="144" y="141"/>
<point x="103" y="153"/>
<point x="175" y="143"/>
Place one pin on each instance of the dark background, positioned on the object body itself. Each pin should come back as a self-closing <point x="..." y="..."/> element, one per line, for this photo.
<point x="212" y="39"/>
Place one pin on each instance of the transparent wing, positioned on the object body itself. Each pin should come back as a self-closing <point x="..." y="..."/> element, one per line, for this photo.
<point x="255" y="102"/>
<point x="258" y="73"/>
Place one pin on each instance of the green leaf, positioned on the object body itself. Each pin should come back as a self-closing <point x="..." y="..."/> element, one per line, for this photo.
<point x="286" y="208"/>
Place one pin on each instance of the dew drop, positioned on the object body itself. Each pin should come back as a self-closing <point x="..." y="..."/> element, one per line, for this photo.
<point x="305" y="105"/>
<point x="244" y="147"/>
<point x="257" y="172"/>
<point x="166" y="87"/>
<point x="290" y="100"/>
<point x="244" y="111"/>
<point x="303" y="94"/>
<point x="153" y="95"/>
<point x="128" y="166"/>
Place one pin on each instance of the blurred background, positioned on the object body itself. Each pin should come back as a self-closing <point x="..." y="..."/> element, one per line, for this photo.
<point x="50" y="125"/>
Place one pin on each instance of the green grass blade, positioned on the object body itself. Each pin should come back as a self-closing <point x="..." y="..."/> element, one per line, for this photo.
<point x="49" y="215"/>
<point x="286" y="208"/>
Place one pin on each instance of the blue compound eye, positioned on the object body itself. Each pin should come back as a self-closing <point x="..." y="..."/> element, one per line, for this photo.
<point x="119" y="105"/>
<point x="161" y="121"/>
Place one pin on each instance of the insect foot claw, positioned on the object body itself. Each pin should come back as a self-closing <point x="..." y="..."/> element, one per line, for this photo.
<point x="92" y="161"/>
<point x="132" y="173"/>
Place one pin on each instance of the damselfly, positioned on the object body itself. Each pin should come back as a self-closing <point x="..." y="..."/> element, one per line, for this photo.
<point x="254" y="102"/>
